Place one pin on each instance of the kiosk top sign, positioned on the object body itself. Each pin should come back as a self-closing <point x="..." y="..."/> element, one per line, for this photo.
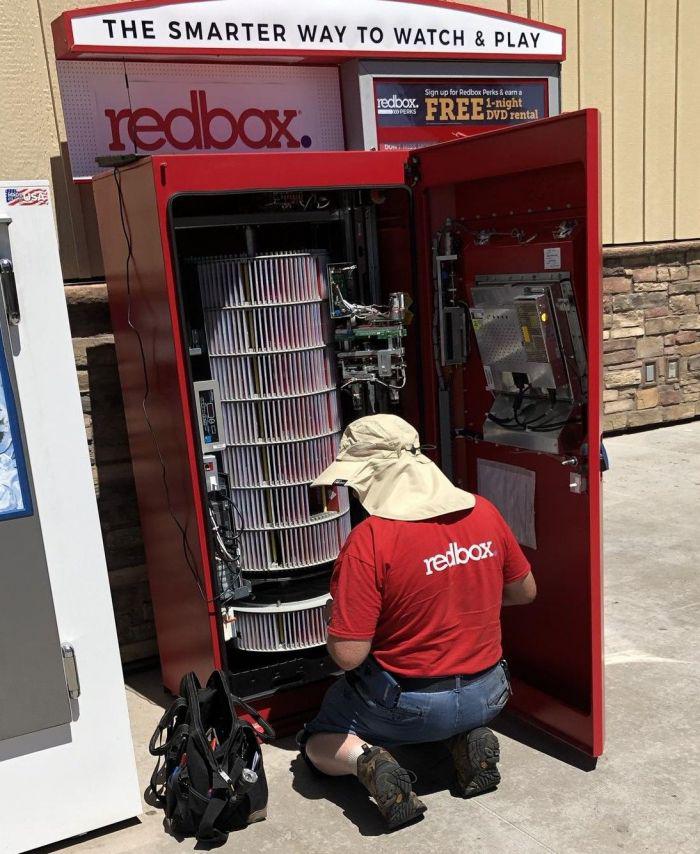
<point x="307" y="31"/>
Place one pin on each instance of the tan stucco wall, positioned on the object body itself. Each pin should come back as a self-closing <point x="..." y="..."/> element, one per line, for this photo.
<point x="32" y="136"/>
<point x="633" y="59"/>
<point x="636" y="61"/>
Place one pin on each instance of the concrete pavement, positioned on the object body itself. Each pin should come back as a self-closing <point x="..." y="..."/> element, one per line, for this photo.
<point x="642" y="795"/>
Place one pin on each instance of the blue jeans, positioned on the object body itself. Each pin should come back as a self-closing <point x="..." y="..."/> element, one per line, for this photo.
<point x="417" y="717"/>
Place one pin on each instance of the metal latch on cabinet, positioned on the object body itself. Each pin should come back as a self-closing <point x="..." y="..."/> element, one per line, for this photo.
<point x="9" y="291"/>
<point x="411" y="171"/>
<point x="70" y="668"/>
<point x="578" y="482"/>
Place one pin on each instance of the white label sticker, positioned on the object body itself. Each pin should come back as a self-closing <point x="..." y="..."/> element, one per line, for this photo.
<point x="489" y="377"/>
<point x="552" y="258"/>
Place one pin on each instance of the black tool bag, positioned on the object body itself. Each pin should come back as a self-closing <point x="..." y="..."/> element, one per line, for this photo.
<point x="209" y="777"/>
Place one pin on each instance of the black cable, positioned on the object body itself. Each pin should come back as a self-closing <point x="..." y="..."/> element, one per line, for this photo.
<point x="547" y="412"/>
<point x="504" y="422"/>
<point x="544" y="428"/>
<point x="187" y="550"/>
<point x="237" y="513"/>
<point x="532" y="421"/>
<point x="508" y="423"/>
<point x="517" y="403"/>
<point x="544" y="415"/>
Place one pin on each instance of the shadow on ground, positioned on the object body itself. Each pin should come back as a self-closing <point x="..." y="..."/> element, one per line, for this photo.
<point x="97" y="835"/>
<point x="429" y="762"/>
<point x="147" y="684"/>
<point x="519" y="730"/>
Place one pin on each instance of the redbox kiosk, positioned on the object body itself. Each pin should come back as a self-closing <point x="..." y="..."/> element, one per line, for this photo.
<point x="261" y="302"/>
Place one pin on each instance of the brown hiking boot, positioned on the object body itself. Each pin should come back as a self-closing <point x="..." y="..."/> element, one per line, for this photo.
<point x="390" y="786"/>
<point x="475" y="755"/>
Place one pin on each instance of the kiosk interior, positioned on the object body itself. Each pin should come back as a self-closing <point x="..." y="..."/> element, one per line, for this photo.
<point x="260" y="303"/>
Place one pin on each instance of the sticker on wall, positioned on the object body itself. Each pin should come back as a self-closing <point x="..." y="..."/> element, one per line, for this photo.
<point x="552" y="258"/>
<point x="512" y="490"/>
<point x="26" y="196"/>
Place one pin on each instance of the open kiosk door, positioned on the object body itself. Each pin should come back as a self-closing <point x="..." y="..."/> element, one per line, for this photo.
<point x="514" y="273"/>
<point x="66" y="759"/>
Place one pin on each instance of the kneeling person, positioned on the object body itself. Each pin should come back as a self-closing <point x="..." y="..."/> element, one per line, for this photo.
<point x="415" y="622"/>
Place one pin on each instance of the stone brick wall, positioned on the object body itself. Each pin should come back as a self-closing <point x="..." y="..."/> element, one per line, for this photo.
<point x="95" y="359"/>
<point x="651" y="315"/>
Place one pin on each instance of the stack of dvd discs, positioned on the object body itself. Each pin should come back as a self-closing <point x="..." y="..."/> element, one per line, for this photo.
<point x="281" y="627"/>
<point x="269" y="344"/>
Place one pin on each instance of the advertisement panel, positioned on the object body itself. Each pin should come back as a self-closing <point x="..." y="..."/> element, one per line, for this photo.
<point x="415" y="113"/>
<point x="114" y="108"/>
<point x="14" y="486"/>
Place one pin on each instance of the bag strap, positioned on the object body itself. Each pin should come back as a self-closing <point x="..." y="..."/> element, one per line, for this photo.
<point x="206" y="832"/>
<point x="188" y="678"/>
<point x="164" y="724"/>
<point x="268" y="731"/>
<point x="157" y="783"/>
<point x="191" y="688"/>
<point x="175" y="736"/>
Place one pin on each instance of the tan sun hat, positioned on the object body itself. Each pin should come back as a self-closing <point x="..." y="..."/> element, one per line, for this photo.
<point x="380" y="459"/>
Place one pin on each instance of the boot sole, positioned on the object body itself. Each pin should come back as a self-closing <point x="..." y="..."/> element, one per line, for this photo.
<point x="410" y="808"/>
<point x="484" y="754"/>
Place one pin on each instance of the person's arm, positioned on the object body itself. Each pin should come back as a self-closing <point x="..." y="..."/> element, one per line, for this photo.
<point x="356" y="603"/>
<point x="520" y="592"/>
<point x="519" y="586"/>
<point x="348" y="654"/>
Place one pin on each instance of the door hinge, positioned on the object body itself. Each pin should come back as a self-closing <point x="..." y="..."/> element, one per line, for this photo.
<point x="9" y="291"/>
<point x="70" y="668"/>
<point x="411" y="171"/>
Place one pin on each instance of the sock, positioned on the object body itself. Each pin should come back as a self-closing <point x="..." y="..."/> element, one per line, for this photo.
<point x="354" y="754"/>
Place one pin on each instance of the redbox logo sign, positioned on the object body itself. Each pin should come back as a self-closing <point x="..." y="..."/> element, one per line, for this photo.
<point x="201" y="128"/>
<point x="456" y="555"/>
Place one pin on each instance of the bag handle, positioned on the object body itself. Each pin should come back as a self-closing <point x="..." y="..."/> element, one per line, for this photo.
<point x="254" y="713"/>
<point x="190" y="686"/>
<point x="165" y="722"/>
<point x="268" y="731"/>
<point x="157" y="784"/>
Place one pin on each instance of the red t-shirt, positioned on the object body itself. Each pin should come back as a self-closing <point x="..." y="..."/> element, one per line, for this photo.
<point x="428" y="594"/>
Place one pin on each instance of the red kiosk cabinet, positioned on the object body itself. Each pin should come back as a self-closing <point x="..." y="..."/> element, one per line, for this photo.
<point x="495" y="240"/>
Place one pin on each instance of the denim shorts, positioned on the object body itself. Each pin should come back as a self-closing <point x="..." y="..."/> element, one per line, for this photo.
<point x="418" y="717"/>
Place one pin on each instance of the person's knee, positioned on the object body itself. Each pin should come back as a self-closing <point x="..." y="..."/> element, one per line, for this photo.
<point x="334" y="753"/>
<point x="326" y="745"/>
<point x="311" y="746"/>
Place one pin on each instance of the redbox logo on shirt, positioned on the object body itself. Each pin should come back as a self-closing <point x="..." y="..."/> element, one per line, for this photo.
<point x="200" y="127"/>
<point x="458" y="555"/>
